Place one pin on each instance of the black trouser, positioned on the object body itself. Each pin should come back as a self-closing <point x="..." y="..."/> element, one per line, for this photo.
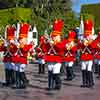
<point x="50" y="80"/>
<point x="87" y="78"/>
<point x="57" y="80"/>
<point x="7" y="77"/>
<point x="69" y="73"/>
<point x="98" y="71"/>
<point x="41" y="68"/>
<point x="84" y="78"/>
<point x="96" y="68"/>
<point x="90" y="79"/>
<point x="21" y="80"/>
<point x="12" y="76"/>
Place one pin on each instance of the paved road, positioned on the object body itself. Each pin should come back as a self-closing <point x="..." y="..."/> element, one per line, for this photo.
<point x="38" y="84"/>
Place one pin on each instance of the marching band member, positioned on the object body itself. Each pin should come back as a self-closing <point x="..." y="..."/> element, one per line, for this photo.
<point x="87" y="48"/>
<point x="9" y="38"/>
<point x="70" y="54"/>
<point x="41" y="50"/>
<point x="97" y="55"/>
<point x="20" y="57"/>
<point x="54" y="55"/>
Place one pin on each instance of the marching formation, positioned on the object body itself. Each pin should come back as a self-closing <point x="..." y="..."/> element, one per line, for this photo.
<point x="15" y="48"/>
<point x="52" y="50"/>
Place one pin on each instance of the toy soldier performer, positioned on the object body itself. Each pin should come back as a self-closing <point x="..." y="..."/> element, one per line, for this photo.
<point x="70" y="54"/>
<point x="87" y="48"/>
<point x="54" y="55"/>
<point x="20" y="57"/>
<point x="7" y="48"/>
<point x="97" y="54"/>
<point x="41" y="51"/>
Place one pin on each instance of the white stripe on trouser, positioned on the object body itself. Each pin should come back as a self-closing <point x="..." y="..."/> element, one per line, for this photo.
<point x="87" y="65"/>
<point x="20" y="67"/>
<point x="54" y="67"/>
<point x="69" y="64"/>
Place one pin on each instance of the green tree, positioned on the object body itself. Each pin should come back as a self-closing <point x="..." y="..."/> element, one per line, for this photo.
<point x="44" y="12"/>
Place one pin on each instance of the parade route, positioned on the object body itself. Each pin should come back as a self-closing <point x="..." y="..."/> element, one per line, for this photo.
<point x="37" y="89"/>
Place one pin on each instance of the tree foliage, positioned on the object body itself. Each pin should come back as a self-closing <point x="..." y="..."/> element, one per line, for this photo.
<point x="45" y="11"/>
<point x="92" y="10"/>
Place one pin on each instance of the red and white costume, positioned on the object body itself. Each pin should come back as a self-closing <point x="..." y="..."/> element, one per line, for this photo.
<point x="41" y="50"/>
<point x="87" y="48"/>
<point x="54" y="55"/>
<point x="54" y="48"/>
<point x="20" y="56"/>
<point x="70" y="49"/>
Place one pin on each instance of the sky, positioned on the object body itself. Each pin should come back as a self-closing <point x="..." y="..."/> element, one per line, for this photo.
<point x="77" y="4"/>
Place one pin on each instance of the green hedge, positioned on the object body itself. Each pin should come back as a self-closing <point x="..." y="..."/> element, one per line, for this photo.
<point x="94" y="11"/>
<point x="11" y="15"/>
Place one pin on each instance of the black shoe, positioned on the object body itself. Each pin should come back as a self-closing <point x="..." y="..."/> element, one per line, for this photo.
<point x="18" y="87"/>
<point x="90" y="86"/>
<point x="49" y="89"/>
<point x="83" y="86"/>
<point x="98" y="76"/>
<point x="5" y="84"/>
<point x="69" y="79"/>
<point x="57" y="88"/>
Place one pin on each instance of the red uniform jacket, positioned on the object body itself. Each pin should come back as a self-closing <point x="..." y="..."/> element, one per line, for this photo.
<point x="56" y="55"/>
<point x="20" y="54"/>
<point x="41" y="50"/>
<point x="97" y="50"/>
<point x="87" y="52"/>
<point x="7" y="54"/>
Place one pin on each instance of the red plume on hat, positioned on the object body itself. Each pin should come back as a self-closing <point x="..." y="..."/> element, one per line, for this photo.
<point x="88" y="24"/>
<point x="71" y="35"/>
<point x="57" y="27"/>
<point x="10" y="32"/>
<point x="24" y="28"/>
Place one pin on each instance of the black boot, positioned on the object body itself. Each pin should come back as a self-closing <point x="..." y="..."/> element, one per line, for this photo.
<point x="12" y="77"/>
<point x="43" y="69"/>
<point x="98" y="72"/>
<point x="39" y="70"/>
<point x="51" y="79"/>
<point x="17" y="82"/>
<point x="69" y="73"/>
<point x="24" y="81"/>
<point x="96" y="68"/>
<point x="84" y="78"/>
<point x="57" y="81"/>
<point x="7" y="78"/>
<point x="90" y="79"/>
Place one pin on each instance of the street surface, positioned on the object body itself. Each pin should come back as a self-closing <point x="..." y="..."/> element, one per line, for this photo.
<point x="36" y="90"/>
